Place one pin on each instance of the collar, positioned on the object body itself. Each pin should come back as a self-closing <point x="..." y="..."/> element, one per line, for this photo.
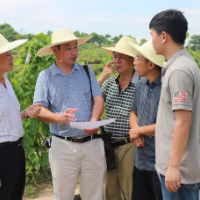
<point x="174" y="57"/>
<point x="134" y="79"/>
<point x="56" y="70"/>
<point x="157" y="81"/>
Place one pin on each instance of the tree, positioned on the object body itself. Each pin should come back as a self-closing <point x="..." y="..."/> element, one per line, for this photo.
<point x="142" y="41"/>
<point x="194" y="43"/>
<point x="99" y="39"/>
<point x="8" y="32"/>
<point x="117" y="38"/>
<point x="107" y="37"/>
<point x="77" y="34"/>
<point x="49" y="32"/>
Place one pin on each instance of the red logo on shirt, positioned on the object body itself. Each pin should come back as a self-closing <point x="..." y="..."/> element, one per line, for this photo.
<point x="180" y="96"/>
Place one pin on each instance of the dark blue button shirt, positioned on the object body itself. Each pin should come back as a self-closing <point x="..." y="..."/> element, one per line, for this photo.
<point x="145" y="103"/>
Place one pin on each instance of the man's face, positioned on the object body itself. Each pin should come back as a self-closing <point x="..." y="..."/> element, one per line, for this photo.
<point x="122" y="62"/>
<point x="157" y="42"/>
<point x="141" y="65"/>
<point x="68" y="53"/>
<point x="6" y="62"/>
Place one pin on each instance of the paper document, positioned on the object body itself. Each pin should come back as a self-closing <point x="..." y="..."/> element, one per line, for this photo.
<point x="90" y="125"/>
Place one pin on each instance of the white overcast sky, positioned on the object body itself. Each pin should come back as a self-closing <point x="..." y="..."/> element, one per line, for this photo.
<point x="114" y="17"/>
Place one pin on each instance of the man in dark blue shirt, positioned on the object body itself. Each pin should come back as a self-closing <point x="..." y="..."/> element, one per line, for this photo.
<point x="143" y="120"/>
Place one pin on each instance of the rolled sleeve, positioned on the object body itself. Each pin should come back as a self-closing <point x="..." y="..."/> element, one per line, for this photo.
<point x="181" y="88"/>
<point x="41" y="90"/>
<point x="96" y="90"/>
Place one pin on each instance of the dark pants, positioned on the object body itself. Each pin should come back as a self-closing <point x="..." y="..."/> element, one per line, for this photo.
<point x="146" y="185"/>
<point x="12" y="173"/>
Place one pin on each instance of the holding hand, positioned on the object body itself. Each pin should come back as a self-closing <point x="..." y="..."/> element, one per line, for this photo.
<point x="67" y="116"/>
<point x="91" y="131"/>
<point x="139" y="142"/>
<point x="33" y="110"/>
<point x="134" y="132"/>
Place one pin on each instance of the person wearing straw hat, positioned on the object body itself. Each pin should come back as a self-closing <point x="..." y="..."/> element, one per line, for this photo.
<point x="143" y="121"/>
<point x="12" y="164"/>
<point x="177" y="127"/>
<point x="118" y="92"/>
<point x="67" y="95"/>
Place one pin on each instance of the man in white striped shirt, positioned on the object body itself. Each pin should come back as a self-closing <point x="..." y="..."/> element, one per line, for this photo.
<point x="12" y="163"/>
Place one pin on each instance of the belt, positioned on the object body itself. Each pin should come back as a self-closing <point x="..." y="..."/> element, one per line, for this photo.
<point x="16" y="144"/>
<point x="121" y="142"/>
<point x="79" y="140"/>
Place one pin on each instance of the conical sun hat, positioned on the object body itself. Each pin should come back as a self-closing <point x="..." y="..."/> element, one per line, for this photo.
<point x="7" y="46"/>
<point x="61" y="36"/>
<point x="123" y="46"/>
<point x="147" y="50"/>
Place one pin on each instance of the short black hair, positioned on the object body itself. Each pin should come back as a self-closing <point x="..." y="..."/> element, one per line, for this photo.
<point x="156" y="66"/>
<point x="172" y="22"/>
<point x="58" y="46"/>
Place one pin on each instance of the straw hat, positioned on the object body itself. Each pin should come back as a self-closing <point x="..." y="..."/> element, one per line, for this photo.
<point x="61" y="36"/>
<point x="147" y="50"/>
<point x="7" y="46"/>
<point x="123" y="46"/>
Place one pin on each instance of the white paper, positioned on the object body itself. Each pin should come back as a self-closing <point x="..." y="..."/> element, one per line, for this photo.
<point x="90" y="125"/>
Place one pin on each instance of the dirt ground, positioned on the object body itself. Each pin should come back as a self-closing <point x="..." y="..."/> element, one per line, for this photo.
<point x="47" y="194"/>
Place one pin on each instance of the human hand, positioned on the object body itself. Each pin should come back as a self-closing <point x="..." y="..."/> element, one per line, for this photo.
<point x="172" y="179"/>
<point x="91" y="131"/>
<point x="134" y="132"/>
<point x="33" y="110"/>
<point x="108" y="70"/>
<point x="67" y="116"/>
<point x="0" y="183"/>
<point x="139" y="142"/>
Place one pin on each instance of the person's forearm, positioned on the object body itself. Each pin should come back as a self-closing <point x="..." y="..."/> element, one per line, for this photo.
<point x="133" y="119"/>
<point x="23" y="114"/>
<point x="101" y="80"/>
<point x="180" y="138"/>
<point x="48" y="116"/>
<point x="97" y="108"/>
<point x="148" y="130"/>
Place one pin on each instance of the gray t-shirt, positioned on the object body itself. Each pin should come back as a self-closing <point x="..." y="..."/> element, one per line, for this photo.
<point x="180" y="90"/>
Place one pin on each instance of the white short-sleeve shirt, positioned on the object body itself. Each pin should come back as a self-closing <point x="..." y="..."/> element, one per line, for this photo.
<point x="11" y="128"/>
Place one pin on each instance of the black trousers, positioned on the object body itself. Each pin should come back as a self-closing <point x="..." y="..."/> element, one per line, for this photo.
<point x="12" y="173"/>
<point x="146" y="185"/>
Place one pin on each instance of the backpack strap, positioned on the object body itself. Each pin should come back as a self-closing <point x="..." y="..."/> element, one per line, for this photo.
<point x="85" y="67"/>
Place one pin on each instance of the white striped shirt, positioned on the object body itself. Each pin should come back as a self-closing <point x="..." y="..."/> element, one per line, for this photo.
<point x="11" y="128"/>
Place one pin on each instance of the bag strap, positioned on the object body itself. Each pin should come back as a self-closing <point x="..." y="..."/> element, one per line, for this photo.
<point x="85" y="67"/>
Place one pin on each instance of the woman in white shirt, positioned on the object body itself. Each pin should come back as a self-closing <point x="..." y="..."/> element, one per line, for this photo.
<point x="12" y="158"/>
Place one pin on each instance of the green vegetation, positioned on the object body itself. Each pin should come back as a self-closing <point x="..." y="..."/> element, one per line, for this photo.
<point x="23" y="79"/>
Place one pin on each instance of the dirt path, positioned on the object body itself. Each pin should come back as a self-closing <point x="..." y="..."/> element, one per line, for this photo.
<point x="47" y="194"/>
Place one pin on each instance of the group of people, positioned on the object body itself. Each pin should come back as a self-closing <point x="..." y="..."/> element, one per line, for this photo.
<point x="155" y="106"/>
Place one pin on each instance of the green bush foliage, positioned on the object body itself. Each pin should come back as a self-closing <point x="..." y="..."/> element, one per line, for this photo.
<point x="23" y="79"/>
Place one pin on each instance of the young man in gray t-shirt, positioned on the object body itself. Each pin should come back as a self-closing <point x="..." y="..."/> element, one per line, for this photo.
<point x="177" y="127"/>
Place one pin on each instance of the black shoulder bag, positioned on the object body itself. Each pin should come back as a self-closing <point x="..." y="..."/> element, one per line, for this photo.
<point x="109" y="149"/>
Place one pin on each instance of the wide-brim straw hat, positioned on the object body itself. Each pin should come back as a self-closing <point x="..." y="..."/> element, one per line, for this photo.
<point x="147" y="50"/>
<point x="61" y="36"/>
<point x="7" y="46"/>
<point x="123" y="46"/>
